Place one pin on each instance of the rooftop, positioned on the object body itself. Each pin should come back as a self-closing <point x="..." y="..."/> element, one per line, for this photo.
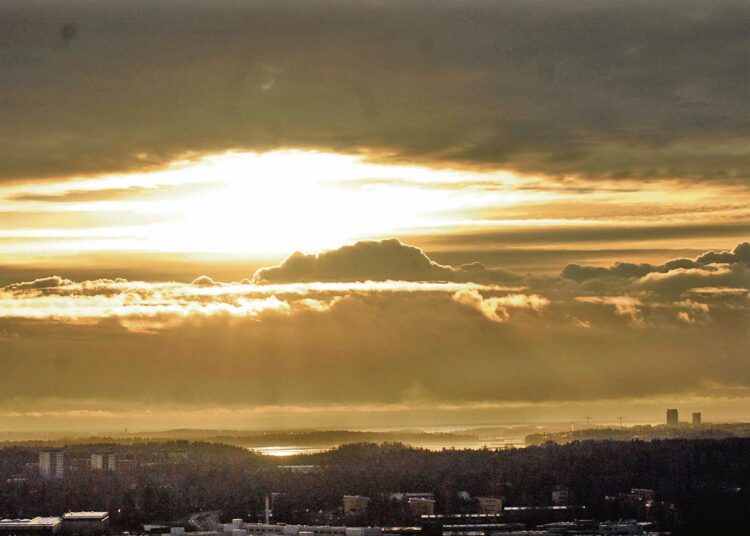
<point x="80" y="516"/>
<point x="37" y="522"/>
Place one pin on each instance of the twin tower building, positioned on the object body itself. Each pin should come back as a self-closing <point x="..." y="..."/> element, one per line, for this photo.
<point x="673" y="418"/>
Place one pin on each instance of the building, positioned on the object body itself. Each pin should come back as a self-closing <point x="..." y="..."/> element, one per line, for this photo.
<point x="672" y="417"/>
<point x="41" y="526"/>
<point x="263" y="529"/>
<point x="560" y="495"/>
<point x="489" y="505"/>
<point x="643" y="494"/>
<point x="697" y="418"/>
<point x="624" y="528"/>
<point x="155" y="529"/>
<point x="85" y="523"/>
<point x="355" y="505"/>
<point x="639" y="503"/>
<point x="104" y="462"/>
<point x="405" y="496"/>
<point x="52" y="463"/>
<point x="419" y="506"/>
<point x="461" y="525"/>
<point x="98" y="461"/>
<point x="125" y="464"/>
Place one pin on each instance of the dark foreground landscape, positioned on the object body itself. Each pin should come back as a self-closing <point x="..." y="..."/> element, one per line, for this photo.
<point x="684" y="486"/>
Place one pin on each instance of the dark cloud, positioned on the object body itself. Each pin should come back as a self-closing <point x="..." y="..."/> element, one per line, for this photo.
<point x="549" y="259"/>
<point x="638" y="90"/>
<point x="740" y="254"/>
<point x="371" y="260"/>
<point x="680" y="280"/>
<point x="586" y="234"/>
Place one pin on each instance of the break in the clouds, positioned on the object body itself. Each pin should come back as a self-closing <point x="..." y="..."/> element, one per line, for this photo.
<point x="379" y="324"/>
<point x="605" y="89"/>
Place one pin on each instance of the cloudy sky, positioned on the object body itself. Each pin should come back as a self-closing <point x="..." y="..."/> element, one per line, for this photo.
<point x="264" y="213"/>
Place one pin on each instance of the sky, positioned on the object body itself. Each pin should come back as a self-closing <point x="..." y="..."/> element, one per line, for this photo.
<point x="372" y="213"/>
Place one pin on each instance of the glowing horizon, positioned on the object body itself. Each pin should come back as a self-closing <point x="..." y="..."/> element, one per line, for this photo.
<point x="260" y="204"/>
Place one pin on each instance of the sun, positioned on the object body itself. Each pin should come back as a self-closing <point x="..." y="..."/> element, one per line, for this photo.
<point x="262" y="205"/>
<point x="303" y="201"/>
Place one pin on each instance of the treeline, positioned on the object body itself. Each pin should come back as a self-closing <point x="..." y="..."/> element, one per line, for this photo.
<point x="707" y="480"/>
<point x="643" y="432"/>
<point x="338" y="437"/>
<point x="262" y="438"/>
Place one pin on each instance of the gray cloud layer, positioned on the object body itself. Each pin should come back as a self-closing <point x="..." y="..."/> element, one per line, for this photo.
<point x="594" y="88"/>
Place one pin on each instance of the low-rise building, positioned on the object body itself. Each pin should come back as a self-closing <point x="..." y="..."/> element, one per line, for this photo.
<point x="489" y="505"/>
<point x="419" y="506"/>
<point x="85" y="523"/>
<point x="560" y="495"/>
<point x="41" y="526"/>
<point x="355" y="505"/>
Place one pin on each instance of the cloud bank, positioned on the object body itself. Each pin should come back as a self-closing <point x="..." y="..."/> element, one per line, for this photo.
<point x="386" y="326"/>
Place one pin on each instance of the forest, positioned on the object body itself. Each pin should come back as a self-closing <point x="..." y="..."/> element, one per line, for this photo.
<point x="707" y="481"/>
